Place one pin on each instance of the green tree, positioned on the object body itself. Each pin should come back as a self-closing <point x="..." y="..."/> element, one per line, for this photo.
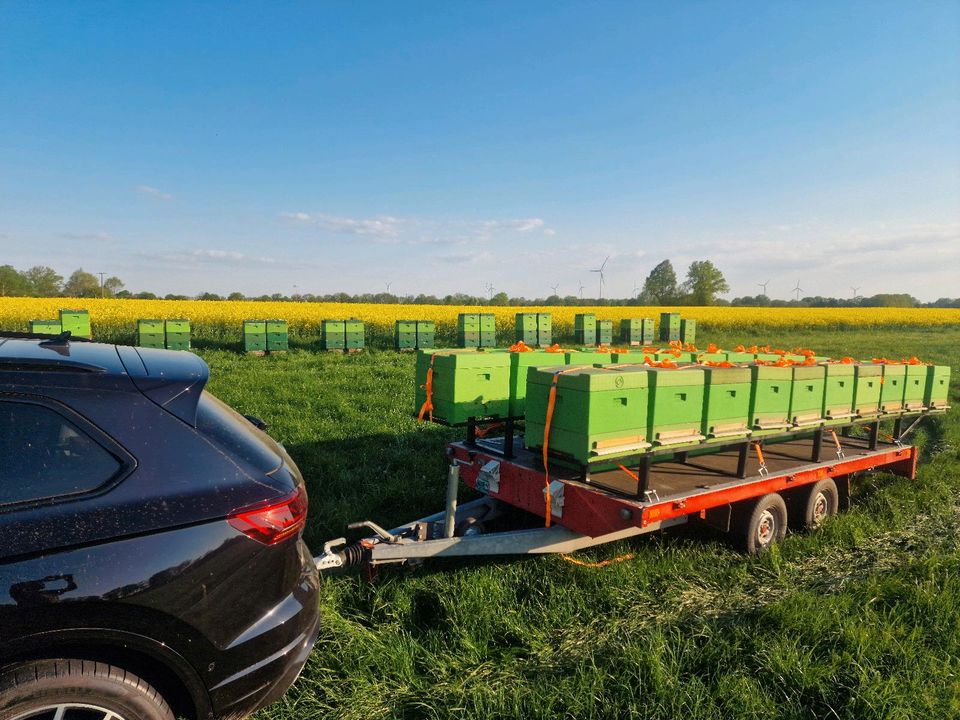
<point x="236" y="296"/>
<point x="12" y="282"/>
<point x="82" y="284"/>
<point x="660" y="287"/>
<point x="501" y="298"/>
<point x="44" y="281"/>
<point x="112" y="285"/>
<point x="704" y="282"/>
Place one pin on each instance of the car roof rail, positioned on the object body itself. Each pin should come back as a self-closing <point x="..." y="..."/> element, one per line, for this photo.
<point x="46" y="338"/>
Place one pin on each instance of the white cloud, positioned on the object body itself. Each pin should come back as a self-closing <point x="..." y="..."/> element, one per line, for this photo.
<point x="520" y="225"/>
<point x="419" y="231"/>
<point x="382" y="226"/>
<point x="153" y="192"/>
<point x="230" y="256"/>
<point x="100" y="236"/>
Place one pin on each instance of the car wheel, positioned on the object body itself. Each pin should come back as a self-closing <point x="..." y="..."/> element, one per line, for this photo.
<point x="822" y="503"/>
<point x="765" y="525"/>
<point x="77" y="690"/>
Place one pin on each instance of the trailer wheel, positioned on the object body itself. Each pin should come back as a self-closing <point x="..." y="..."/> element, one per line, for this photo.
<point x="766" y="524"/>
<point x="823" y="500"/>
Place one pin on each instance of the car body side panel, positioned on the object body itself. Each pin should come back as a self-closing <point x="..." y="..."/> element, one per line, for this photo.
<point x="217" y="598"/>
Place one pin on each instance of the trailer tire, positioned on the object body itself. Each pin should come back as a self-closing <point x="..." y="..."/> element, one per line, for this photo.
<point x="822" y="502"/>
<point x="766" y="524"/>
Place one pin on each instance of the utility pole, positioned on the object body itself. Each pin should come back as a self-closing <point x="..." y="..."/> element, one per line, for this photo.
<point x="101" y="284"/>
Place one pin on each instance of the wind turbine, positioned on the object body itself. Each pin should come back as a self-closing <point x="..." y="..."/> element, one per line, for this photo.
<point x="856" y="292"/>
<point x="636" y="290"/>
<point x="388" y="287"/>
<point x="554" y="288"/>
<point x="600" y="270"/>
<point x="798" y="290"/>
<point x="763" y="285"/>
<point x="489" y="287"/>
<point x="581" y="291"/>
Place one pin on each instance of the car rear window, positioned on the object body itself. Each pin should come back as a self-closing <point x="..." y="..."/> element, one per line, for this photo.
<point x="45" y="455"/>
<point x="235" y="434"/>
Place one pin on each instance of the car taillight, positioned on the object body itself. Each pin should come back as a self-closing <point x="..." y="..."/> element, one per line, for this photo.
<point x="269" y="524"/>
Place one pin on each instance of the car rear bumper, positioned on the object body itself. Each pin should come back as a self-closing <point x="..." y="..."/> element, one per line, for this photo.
<point x="281" y="645"/>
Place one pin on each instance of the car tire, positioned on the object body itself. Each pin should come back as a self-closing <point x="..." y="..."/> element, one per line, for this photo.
<point x="30" y="688"/>
<point x="766" y="524"/>
<point x="822" y="502"/>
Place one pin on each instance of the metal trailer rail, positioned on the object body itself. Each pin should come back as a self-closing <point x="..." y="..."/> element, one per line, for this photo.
<point x="590" y="509"/>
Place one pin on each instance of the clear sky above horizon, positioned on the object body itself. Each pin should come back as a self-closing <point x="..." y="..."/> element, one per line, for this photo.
<point x="198" y="146"/>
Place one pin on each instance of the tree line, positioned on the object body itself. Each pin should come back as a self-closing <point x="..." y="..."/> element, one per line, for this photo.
<point x="702" y="285"/>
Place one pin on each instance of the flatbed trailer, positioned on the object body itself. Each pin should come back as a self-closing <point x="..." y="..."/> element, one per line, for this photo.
<point x="749" y="490"/>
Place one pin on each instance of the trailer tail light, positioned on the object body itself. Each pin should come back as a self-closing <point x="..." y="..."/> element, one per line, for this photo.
<point x="272" y="523"/>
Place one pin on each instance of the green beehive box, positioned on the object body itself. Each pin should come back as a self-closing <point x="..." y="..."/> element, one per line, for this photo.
<point x="520" y="362"/>
<point x="770" y="399"/>
<point x="740" y="357"/>
<point x="585" y="357"/>
<point x="838" y="392"/>
<point x="151" y="334"/>
<point x="676" y="405"/>
<point x="152" y="340"/>
<point x="76" y="322"/>
<point x="254" y="335"/>
<point x="891" y="390"/>
<point x="936" y="396"/>
<point x="278" y="342"/>
<point x="544" y="329"/>
<point x="915" y="387"/>
<point x="867" y="383"/>
<point x="669" y="327"/>
<point x="598" y="413"/>
<point x="526" y="329"/>
<point x="585" y="337"/>
<point x="468" y="322"/>
<point x="178" y="326"/>
<point x="177" y="334"/>
<point x="768" y="357"/>
<point x="726" y="407"/>
<point x="45" y="327"/>
<point x="605" y="332"/>
<point x="630" y="358"/>
<point x="488" y="322"/>
<point x="712" y="357"/>
<point x="405" y="334"/>
<point x="585" y="329"/>
<point x="426" y="330"/>
<point x="466" y="384"/>
<point x="468" y="339"/>
<point x="354" y="341"/>
<point x="688" y="330"/>
<point x="648" y="331"/>
<point x="807" y="395"/>
<point x="631" y="331"/>
<point x="488" y="339"/>
<point x="333" y="334"/>
<point x="278" y="338"/>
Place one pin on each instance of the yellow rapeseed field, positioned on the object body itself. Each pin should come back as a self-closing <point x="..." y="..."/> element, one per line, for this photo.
<point x="117" y="318"/>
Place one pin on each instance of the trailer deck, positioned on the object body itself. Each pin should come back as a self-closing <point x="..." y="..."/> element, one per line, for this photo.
<point x="594" y="507"/>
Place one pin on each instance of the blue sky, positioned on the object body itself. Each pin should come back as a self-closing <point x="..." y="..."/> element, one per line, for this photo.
<point x="443" y="146"/>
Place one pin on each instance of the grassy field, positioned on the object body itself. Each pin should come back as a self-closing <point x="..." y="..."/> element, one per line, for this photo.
<point x="860" y="620"/>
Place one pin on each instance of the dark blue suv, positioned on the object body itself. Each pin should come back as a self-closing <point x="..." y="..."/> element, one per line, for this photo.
<point x="151" y="560"/>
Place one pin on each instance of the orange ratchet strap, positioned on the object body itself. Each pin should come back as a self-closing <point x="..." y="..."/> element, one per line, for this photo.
<point x="427" y="407"/>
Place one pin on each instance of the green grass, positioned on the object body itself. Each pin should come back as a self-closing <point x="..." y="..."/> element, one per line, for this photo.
<point x="860" y="620"/>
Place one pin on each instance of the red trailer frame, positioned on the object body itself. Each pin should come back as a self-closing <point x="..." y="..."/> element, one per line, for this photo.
<point x="591" y="508"/>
